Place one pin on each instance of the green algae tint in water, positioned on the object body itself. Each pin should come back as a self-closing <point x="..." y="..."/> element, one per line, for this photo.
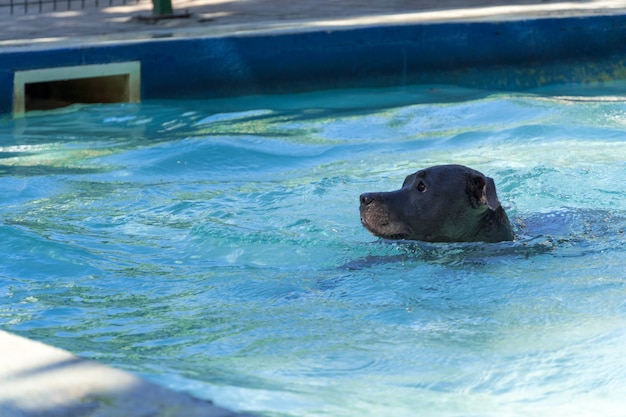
<point x="215" y="247"/>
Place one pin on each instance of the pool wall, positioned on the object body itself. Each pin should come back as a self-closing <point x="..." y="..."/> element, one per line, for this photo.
<point x="508" y="55"/>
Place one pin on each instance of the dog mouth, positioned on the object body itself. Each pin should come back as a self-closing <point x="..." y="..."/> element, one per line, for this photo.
<point x="393" y="236"/>
<point x="385" y="230"/>
<point x="400" y="236"/>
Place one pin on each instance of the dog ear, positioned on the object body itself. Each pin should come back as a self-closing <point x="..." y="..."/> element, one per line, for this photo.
<point x="482" y="190"/>
<point x="490" y="194"/>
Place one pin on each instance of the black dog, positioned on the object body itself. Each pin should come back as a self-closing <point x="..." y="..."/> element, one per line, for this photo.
<point x="445" y="203"/>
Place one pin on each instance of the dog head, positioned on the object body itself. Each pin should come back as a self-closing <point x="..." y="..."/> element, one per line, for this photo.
<point x="445" y="203"/>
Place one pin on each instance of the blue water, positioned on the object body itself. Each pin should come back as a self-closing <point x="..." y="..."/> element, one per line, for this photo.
<point x="215" y="247"/>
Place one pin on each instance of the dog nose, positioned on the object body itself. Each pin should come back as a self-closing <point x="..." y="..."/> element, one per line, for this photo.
<point x="366" y="199"/>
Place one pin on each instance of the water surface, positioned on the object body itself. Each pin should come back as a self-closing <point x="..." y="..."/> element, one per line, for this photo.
<point x="215" y="247"/>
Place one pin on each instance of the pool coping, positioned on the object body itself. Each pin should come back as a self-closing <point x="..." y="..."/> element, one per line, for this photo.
<point x="199" y="26"/>
<point x="485" y="54"/>
<point x="40" y="380"/>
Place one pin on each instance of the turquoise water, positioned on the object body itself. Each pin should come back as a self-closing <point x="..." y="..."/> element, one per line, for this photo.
<point x="215" y="247"/>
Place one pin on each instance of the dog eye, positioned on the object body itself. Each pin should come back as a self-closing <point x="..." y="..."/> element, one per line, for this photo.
<point x="421" y="187"/>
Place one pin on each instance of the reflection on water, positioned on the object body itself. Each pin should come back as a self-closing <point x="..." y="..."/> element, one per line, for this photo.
<point x="215" y="247"/>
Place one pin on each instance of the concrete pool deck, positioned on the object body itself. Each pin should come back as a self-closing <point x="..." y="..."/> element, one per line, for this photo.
<point x="37" y="380"/>
<point x="255" y="47"/>
<point x="221" y="17"/>
<point x="42" y="381"/>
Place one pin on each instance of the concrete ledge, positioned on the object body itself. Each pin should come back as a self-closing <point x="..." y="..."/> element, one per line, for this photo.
<point x="511" y="55"/>
<point x="211" y="18"/>
<point x="37" y="380"/>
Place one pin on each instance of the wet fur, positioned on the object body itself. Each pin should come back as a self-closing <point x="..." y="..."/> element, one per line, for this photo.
<point x="444" y="203"/>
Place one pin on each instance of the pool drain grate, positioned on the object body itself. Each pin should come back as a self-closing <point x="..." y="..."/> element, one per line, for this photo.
<point x="50" y="88"/>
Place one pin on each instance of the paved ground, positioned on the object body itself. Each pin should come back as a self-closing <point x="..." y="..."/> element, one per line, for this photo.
<point x="114" y="20"/>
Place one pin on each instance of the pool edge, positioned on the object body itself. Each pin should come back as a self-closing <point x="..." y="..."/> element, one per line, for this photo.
<point x="522" y="53"/>
<point x="37" y="379"/>
<point x="496" y="13"/>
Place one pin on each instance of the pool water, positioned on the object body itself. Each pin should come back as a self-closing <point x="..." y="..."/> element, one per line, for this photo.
<point x="215" y="247"/>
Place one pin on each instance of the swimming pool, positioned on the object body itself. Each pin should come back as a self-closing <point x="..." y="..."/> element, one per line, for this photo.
<point x="215" y="247"/>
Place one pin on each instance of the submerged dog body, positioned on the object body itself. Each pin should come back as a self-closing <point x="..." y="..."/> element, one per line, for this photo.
<point x="444" y="203"/>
